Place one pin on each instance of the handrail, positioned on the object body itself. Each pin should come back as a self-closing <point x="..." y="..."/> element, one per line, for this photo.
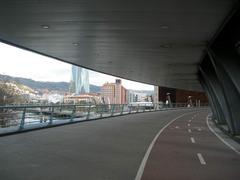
<point x="17" y="118"/>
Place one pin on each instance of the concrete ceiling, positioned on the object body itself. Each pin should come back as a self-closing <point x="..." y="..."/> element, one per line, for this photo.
<point x="160" y="42"/>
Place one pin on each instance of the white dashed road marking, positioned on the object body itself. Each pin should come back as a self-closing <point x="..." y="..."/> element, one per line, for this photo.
<point x="193" y="140"/>
<point x="201" y="159"/>
<point x="145" y="158"/>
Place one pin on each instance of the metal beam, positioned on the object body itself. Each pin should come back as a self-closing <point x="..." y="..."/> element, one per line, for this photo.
<point x="220" y="70"/>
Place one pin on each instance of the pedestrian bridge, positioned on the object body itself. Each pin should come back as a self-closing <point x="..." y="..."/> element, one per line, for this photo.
<point x="152" y="145"/>
<point x="185" y="44"/>
<point x="192" y="45"/>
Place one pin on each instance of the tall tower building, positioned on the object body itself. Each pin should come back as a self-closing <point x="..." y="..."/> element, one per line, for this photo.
<point x="80" y="80"/>
<point x="114" y="93"/>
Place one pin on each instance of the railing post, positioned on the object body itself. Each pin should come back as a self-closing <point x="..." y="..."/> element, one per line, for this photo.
<point x="23" y="119"/>
<point x="102" y="108"/>
<point x="73" y="112"/>
<point x="113" y="108"/>
<point x="155" y="106"/>
<point x="51" y="116"/>
<point x="130" y="109"/>
<point x="60" y="110"/>
<point x="41" y="115"/>
<point x="88" y="113"/>
<point x="137" y="108"/>
<point x="122" y="109"/>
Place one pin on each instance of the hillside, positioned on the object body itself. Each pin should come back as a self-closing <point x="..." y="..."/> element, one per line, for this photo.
<point x="40" y="85"/>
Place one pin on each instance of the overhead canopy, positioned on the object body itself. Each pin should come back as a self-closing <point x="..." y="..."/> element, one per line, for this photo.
<point x="160" y="42"/>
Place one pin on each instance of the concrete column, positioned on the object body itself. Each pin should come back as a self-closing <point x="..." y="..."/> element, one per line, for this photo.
<point x="227" y="67"/>
<point x="221" y="71"/>
<point x="210" y="98"/>
<point x="211" y="79"/>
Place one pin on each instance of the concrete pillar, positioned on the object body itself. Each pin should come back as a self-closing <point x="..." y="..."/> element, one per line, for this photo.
<point x="215" y="114"/>
<point x="227" y="67"/>
<point x="220" y="71"/>
<point x="212" y="80"/>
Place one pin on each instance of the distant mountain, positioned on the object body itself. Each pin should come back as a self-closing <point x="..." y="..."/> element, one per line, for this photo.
<point x="40" y="85"/>
<point x="94" y="88"/>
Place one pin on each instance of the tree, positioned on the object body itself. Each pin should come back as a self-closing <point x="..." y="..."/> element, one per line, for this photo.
<point x="8" y="94"/>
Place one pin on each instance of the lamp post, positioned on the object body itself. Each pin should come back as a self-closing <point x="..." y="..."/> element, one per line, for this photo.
<point x="168" y="101"/>
<point x="190" y="101"/>
<point x="4" y="99"/>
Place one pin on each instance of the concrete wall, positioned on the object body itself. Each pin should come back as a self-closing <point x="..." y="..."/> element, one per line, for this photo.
<point x="181" y="96"/>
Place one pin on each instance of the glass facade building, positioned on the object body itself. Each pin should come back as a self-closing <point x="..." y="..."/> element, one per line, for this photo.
<point x="80" y="80"/>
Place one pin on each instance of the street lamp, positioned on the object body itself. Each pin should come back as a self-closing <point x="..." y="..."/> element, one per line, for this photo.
<point x="168" y="101"/>
<point x="190" y="101"/>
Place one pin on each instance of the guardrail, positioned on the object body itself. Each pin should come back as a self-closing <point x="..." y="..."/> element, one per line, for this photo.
<point x="17" y="118"/>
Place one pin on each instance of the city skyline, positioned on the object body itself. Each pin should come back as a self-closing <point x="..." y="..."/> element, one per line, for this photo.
<point x="47" y="69"/>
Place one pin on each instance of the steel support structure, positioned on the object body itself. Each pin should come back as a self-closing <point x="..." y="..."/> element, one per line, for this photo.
<point x="219" y="74"/>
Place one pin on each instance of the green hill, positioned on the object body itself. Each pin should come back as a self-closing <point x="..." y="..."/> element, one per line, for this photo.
<point x="40" y="85"/>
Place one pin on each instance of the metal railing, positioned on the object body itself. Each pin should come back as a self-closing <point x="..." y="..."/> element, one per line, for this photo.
<point x="16" y="118"/>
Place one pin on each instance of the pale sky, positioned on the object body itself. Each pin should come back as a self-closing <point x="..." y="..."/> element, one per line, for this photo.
<point x="21" y="63"/>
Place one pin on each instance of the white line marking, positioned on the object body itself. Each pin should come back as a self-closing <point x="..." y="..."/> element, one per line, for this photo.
<point x="200" y="157"/>
<point x="189" y="120"/>
<point x="189" y="130"/>
<point x="145" y="158"/>
<point x="188" y="125"/>
<point x="193" y="140"/>
<point x="219" y="137"/>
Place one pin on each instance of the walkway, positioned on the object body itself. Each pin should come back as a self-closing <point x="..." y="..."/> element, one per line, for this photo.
<point x="113" y="149"/>
<point x="188" y="150"/>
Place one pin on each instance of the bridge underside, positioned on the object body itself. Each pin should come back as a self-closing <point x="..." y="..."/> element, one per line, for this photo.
<point x="182" y="44"/>
<point x="157" y="42"/>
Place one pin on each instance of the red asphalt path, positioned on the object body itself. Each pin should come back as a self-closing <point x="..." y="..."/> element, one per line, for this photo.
<point x="175" y="154"/>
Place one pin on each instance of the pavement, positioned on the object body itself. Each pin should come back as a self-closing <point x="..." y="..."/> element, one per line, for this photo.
<point x="113" y="149"/>
<point x="188" y="150"/>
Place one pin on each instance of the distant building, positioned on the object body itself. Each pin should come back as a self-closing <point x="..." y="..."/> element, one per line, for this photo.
<point x="114" y="93"/>
<point x="80" y="81"/>
<point x="55" y="98"/>
<point x="93" y="98"/>
<point x="131" y="96"/>
<point x="139" y="96"/>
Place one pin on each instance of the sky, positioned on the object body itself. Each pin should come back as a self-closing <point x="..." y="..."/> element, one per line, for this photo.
<point x="21" y="63"/>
